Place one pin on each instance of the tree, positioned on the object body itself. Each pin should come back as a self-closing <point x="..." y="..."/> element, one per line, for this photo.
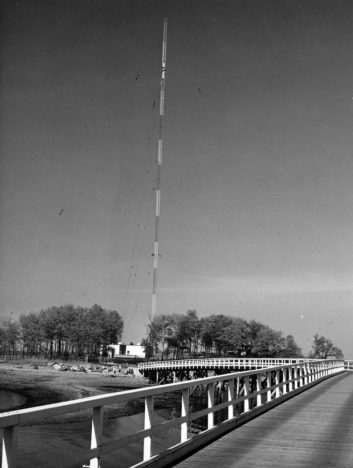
<point x="102" y="328"/>
<point x="112" y="328"/>
<point x="148" y="348"/>
<point x="268" y="343"/>
<point x="291" y="349"/>
<point x="32" y="333"/>
<point x="176" y="334"/>
<point x="254" y="329"/>
<point x="158" y="330"/>
<point x="323" y="348"/>
<point x="71" y="331"/>
<point x="10" y="336"/>
<point x="207" y="332"/>
<point x="213" y="335"/>
<point x="233" y="338"/>
<point x="188" y="330"/>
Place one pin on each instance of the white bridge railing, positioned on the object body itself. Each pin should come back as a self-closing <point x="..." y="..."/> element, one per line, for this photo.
<point x="241" y="395"/>
<point x="348" y="365"/>
<point x="223" y="363"/>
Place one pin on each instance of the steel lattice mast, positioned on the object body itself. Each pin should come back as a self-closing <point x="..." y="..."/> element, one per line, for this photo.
<point x="159" y="166"/>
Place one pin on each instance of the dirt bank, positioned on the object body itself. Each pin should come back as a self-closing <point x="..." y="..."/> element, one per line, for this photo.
<point x="41" y="384"/>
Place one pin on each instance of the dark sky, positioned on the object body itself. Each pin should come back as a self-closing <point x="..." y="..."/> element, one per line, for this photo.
<point x="256" y="206"/>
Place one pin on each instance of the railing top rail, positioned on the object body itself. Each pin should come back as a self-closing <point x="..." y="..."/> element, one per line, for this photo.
<point x="27" y="415"/>
<point x="211" y="361"/>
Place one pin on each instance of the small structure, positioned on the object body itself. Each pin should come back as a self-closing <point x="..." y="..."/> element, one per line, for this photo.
<point x="127" y="350"/>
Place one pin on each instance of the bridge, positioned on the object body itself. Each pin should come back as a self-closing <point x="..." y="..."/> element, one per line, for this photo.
<point x="176" y="370"/>
<point x="310" y="429"/>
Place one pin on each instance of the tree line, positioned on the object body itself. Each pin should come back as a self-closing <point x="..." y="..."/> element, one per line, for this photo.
<point x="177" y="336"/>
<point x="62" y="332"/>
<point x="69" y="332"/>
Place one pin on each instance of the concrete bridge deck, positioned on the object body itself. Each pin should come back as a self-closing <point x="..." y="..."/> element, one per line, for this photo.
<point x="313" y="429"/>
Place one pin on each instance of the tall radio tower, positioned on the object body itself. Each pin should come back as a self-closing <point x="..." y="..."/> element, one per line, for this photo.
<point x="159" y="166"/>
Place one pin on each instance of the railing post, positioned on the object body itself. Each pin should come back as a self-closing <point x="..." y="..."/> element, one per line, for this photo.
<point x="301" y="374"/>
<point x="295" y="372"/>
<point x="277" y="391"/>
<point x="96" y="433"/>
<point x="315" y="372"/>
<point x="246" y="394"/>
<point x="268" y="384"/>
<point x="147" y="441"/>
<point x="290" y="379"/>
<point x="321" y="370"/>
<point x="310" y="373"/>
<point x="184" y="412"/>
<point x="258" y="389"/>
<point x="9" y="445"/>
<point x="284" y="380"/>
<point x="230" y="398"/>
<point x="210" y="404"/>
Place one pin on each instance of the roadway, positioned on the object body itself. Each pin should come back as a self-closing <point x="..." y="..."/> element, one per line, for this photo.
<point x="313" y="429"/>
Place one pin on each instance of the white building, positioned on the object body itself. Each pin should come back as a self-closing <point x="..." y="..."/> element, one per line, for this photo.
<point x="126" y="350"/>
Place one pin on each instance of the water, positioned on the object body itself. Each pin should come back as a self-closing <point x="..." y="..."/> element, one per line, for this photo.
<point x="62" y="444"/>
<point x="10" y="400"/>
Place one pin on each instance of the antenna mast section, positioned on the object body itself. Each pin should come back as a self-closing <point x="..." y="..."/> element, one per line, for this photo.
<point x="159" y="165"/>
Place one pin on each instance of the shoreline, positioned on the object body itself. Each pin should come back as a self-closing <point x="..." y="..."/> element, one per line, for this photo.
<point x="41" y="385"/>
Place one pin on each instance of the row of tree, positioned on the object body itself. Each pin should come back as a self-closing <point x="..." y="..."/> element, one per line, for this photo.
<point x="185" y="335"/>
<point x="71" y="332"/>
<point x="62" y="332"/>
<point x="178" y="335"/>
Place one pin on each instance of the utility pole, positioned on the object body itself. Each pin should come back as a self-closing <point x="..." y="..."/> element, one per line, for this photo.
<point x="159" y="166"/>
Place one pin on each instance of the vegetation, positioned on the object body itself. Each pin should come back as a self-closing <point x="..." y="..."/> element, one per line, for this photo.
<point x="324" y="348"/>
<point x="178" y="335"/>
<point x="62" y="332"/>
<point x="69" y="332"/>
